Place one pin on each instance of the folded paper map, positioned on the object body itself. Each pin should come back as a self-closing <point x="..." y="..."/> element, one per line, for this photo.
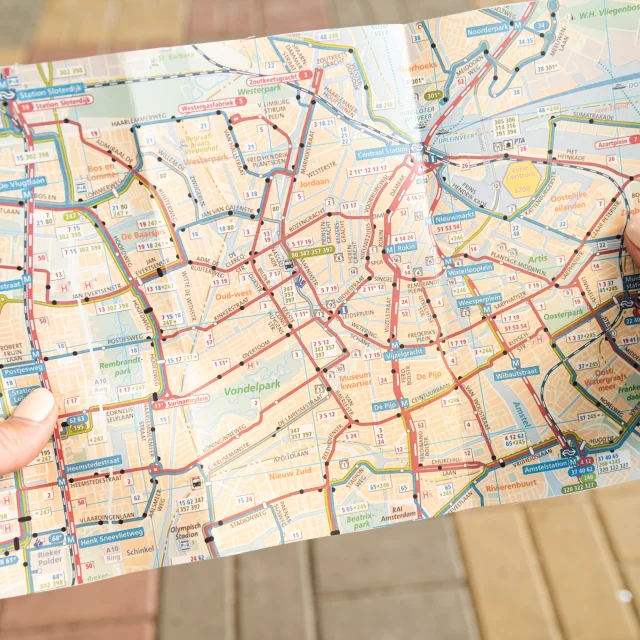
<point x="317" y="283"/>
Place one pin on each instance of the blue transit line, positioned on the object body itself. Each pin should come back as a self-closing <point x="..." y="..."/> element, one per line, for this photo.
<point x="50" y="532"/>
<point x="572" y="327"/>
<point x="93" y="523"/>
<point x="11" y="128"/>
<point x="484" y="45"/>
<point x="218" y="216"/>
<point x="215" y="548"/>
<point x="97" y="349"/>
<point x="612" y="342"/>
<point x="52" y="137"/>
<point x="434" y="48"/>
<point x="629" y="430"/>
<point x="495" y="64"/>
<point x="153" y="489"/>
<point x="365" y="463"/>
<point x="275" y="518"/>
<point x="421" y="508"/>
<point x="200" y="221"/>
<point x="485" y="472"/>
<point x="330" y="107"/>
<point x="461" y="495"/>
<point x="574" y="381"/>
<point x="244" y="514"/>
<point x="603" y="123"/>
<point x="120" y="345"/>
<point x="546" y="42"/>
<point x="502" y="18"/>
<point x="177" y="472"/>
<point x="500" y="216"/>
<point x="272" y="40"/>
<point x="475" y="488"/>
<point x="130" y="177"/>
<point x="416" y="499"/>
<point x="154" y="440"/>
<point x="139" y="158"/>
<point x="552" y="229"/>
<point x="548" y="99"/>
<point x="602" y="308"/>
<point x="353" y="470"/>
<point x="127" y="180"/>
<point x="445" y="186"/>
<point x="452" y="72"/>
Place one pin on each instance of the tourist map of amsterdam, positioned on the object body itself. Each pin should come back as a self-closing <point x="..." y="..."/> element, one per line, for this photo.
<point x="317" y="283"/>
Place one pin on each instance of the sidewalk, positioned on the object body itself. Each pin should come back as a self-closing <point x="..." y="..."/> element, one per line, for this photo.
<point x="558" y="569"/>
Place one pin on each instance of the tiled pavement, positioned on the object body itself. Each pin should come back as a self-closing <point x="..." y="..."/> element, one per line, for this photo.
<point x="557" y="569"/>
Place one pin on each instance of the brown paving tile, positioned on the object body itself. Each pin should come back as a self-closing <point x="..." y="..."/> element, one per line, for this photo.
<point x="145" y="21"/>
<point x="85" y="21"/>
<point x="389" y="11"/>
<point x="62" y="22"/>
<point x="505" y="578"/>
<point x="212" y="21"/>
<point x="17" y="21"/>
<point x="621" y="519"/>
<point x="57" y="22"/>
<point x="197" y="601"/>
<point x="430" y="615"/>
<point x="632" y="574"/>
<point x="51" y="53"/>
<point x="92" y="22"/>
<point x="136" y="45"/>
<point x="131" y="596"/>
<point x="423" y="9"/>
<point x="275" y="593"/>
<point x="200" y="23"/>
<point x="100" y="631"/>
<point x="289" y="16"/>
<point x="483" y="4"/>
<point x="625" y="490"/>
<point x="418" y="552"/>
<point x="350" y="14"/>
<point x="12" y="55"/>
<point x="583" y="576"/>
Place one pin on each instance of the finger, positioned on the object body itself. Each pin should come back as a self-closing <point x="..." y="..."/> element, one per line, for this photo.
<point x="26" y="432"/>
<point x="633" y="238"/>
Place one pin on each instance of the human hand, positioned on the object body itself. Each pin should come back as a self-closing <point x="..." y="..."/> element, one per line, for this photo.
<point x="26" y="432"/>
<point x="632" y="238"/>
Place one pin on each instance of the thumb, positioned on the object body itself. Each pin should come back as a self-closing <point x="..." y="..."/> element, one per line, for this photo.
<point x="27" y="431"/>
<point x="633" y="237"/>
